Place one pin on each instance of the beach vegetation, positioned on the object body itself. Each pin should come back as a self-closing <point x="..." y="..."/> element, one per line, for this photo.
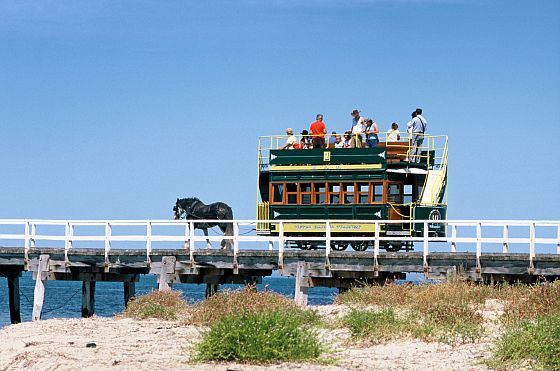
<point x="529" y="342"/>
<point x="246" y="301"/>
<point x="443" y="312"/>
<point x="259" y="337"/>
<point x="166" y="305"/>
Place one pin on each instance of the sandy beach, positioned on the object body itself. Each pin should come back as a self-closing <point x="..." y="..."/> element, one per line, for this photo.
<point x="124" y="344"/>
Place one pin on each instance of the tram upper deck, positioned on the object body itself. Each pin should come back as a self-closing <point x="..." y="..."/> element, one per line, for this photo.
<point x="386" y="155"/>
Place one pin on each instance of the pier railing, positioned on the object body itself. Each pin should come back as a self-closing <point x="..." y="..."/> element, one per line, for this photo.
<point x="491" y="236"/>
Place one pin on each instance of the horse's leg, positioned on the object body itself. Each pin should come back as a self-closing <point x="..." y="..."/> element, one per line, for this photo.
<point x="227" y="230"/>
<point x="208" y="244"/>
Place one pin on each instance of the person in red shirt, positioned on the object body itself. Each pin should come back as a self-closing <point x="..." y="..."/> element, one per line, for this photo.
<point x="318" y="130"/>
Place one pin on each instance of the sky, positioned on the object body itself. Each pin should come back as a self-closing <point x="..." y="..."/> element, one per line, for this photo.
<point x="113" y="109"/>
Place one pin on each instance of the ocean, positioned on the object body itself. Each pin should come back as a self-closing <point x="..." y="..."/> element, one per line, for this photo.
<point x="63" y="299"/>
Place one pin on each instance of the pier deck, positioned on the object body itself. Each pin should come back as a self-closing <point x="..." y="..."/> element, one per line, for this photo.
<point x="312" y="268"/>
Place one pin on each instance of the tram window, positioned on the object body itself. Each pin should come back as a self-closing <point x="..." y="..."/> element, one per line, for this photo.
<point x="363" y="193"/>
<point x="348" y="193"/>
<point x="334" y="193"/>
<point x="320" y="191"/>
<point x="395" y="193"/>
<point x="291" y="192"/>
<point x="278" y="192"/>
<point x="407" y="193"/>
<point x="377" y="193"/>
<point x="305" y="191"/>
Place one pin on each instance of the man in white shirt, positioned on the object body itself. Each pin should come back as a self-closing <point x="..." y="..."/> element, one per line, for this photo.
<point x="417" y="127"/>
<point x="291" y="141"/>
<point x="358" y="127"/>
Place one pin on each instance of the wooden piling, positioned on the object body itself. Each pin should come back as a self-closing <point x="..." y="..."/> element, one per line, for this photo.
<point x="129" y="292"/>
<point x="88" y="298"/>
<point x="301" y="295"/>
<point x="167" y="270"/>
<point x="14" y="298"/>
<point x="40" y="282"/>
<point x="211" y="289"/>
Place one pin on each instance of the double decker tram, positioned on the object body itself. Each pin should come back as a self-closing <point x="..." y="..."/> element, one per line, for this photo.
<point x="362" y="184"/>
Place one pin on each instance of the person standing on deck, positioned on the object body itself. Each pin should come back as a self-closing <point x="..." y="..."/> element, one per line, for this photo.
<point x="417" y="126"/>
<point x="358" y="128"/>
<point x="318" y="130"/>
<point x="371" y="133"/>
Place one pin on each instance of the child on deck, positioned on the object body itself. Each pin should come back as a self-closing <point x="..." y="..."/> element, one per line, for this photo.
<point x="394" y="134"/>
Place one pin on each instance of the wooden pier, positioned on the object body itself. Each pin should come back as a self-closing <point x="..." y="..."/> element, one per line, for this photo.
<point x="312" y="268"/>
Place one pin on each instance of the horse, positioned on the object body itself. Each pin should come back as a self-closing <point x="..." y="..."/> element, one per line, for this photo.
<point x="192" y="208"/>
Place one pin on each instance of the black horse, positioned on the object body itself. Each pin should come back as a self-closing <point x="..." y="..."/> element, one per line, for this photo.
<point x="192" y="208"/>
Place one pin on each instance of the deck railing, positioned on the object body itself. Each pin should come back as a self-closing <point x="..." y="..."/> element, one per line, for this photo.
<point x="478" y="236"/>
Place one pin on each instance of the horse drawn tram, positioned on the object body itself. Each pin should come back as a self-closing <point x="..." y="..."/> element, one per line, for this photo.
<point x="384" y="183"/>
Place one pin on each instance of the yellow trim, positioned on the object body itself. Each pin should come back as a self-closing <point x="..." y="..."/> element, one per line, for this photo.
<point x="321" y="227"/>
<point x="324" y="167"/>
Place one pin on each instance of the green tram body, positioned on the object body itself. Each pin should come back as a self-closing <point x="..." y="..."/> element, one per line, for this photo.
<point x="353" y="184"/>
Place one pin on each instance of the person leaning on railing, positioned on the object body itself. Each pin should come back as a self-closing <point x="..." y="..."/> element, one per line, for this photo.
<point x="358" y="128"/>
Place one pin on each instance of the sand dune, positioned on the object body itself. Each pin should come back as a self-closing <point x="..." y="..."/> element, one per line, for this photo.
<point x="125" y="344"/>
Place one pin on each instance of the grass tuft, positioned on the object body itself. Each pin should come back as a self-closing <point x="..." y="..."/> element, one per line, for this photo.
<point x="262" y="337"/>
<point x="536" y="342"/>
<point x="165" y="305"/>
<point x="439" y="312"/>
<point x="245" y="301"/>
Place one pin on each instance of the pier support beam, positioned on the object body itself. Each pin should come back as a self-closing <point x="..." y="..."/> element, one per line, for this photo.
<point x="129" y="292"/>
<point x="88" y="298"/>
<point x="211" y="289"/>
<point x="13" y="294"/>
<point x="167" y="270"/>
<point x="40" y="282"/>
<point x="301" y="295"/>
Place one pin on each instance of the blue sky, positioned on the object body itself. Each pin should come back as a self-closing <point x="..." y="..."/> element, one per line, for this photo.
<point x="112" y="109"/>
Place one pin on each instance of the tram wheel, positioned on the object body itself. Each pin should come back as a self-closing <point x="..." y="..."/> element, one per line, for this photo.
<point x="393" y="247"/>
<point x="340" y="246"/>
<point x="359" y="245"/>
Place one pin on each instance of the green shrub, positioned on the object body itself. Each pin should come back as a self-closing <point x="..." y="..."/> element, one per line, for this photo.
<point x="373" y="326"/>
<point x="536" y="342"/>
<point x="443" y="312"/>
<point x="166" y="305"/>
<point x="263" y="337"/>
<point x="245" y="301"/>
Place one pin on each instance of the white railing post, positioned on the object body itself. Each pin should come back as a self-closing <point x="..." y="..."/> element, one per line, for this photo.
<point x="270" y="245"/>
<point x="235" y="239"/>
<point x="505" y="247"/>
<point x="478" y="240"/>
<point x="426" y="242"/>
<point x="328" y="239"/>
<point x="26" y="243"/>
<point x="33" y="234"/>
<point x="191" y="241"/>
<point x="532" y="242"/>
<point x="68" y="233"/>
<point x="281" y="245"/>
<point x="108" y="232"/>
<point x="148" y="239"/>
<point x="558" y="238"/>
<point x="376" y="242"/>
<point x="453" y="238"/>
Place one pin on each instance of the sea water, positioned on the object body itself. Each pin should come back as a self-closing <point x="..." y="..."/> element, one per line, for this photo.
<point x="63" y="299"/>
